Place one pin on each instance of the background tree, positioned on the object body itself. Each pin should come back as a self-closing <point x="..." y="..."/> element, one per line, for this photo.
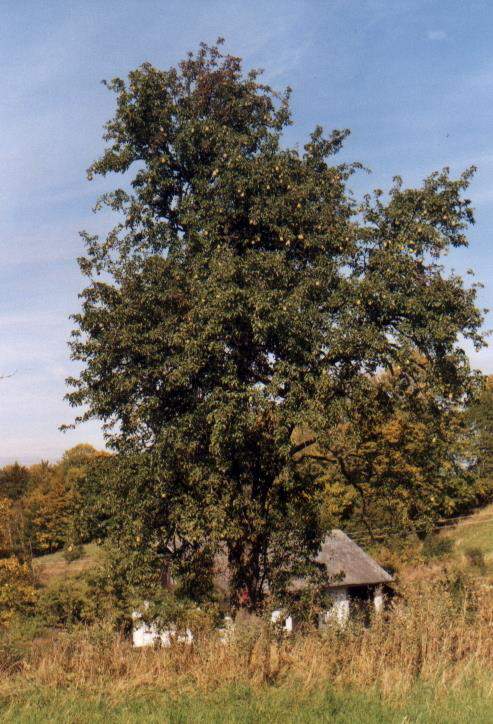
<point x="88" y="471"/>
<point x="480" y="418"/>
<point x="48" y="508"/>
<point x="400" y="458"/>
<point x="14" y="537"/>
<point x="39" y="505"/>
<point x="14" y="480"/>
<point x="52" y="505"/>
<point x="244" y="294"/>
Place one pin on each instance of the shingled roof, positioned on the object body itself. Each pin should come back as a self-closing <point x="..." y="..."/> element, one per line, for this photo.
<point x="346" y="560"/>
<point x="347" y="565"/>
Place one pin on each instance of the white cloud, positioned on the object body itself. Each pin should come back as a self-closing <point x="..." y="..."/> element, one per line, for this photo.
<point x="436" y="34"/>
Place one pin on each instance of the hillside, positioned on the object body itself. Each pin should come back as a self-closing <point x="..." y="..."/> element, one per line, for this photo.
<point x="54" y="565"/>
<point x="475" y="531"/>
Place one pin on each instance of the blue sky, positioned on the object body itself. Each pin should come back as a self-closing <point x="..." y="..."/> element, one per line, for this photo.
<point x="412" y="79"/>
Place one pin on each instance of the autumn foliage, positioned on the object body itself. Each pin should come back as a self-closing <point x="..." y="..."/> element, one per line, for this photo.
<point x="17" y="592"/>
<point x="39" y="516"/>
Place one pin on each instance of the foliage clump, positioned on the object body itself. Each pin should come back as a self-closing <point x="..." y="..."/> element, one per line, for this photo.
<point x="41" y="505"/>
<point x="18" y="594"/>
<point x="480" y="418"/>
<point x="84" y="599"/>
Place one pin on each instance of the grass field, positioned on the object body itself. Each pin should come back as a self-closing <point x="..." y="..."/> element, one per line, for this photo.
<point x="244" y="704"/>
<point x="430" y="661"/>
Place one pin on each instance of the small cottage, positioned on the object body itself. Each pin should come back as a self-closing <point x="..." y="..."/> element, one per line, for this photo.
<point x="355" y="581"/>
<point x="356" y="578"/>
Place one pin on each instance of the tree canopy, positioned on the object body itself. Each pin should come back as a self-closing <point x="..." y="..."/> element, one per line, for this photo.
<point x="245" y="294"/>
<point x="14" y="480"/>
<point x="397" y="459"/>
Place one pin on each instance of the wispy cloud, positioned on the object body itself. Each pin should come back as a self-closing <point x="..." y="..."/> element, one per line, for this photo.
<point x="436" y="34"/>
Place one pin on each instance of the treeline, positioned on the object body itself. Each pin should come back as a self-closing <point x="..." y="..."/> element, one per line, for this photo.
<point x="41" y="504"/>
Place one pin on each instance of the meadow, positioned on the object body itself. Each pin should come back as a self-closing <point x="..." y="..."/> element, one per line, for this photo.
<point x="429" y="658"/>
<point x="474" y="532"/>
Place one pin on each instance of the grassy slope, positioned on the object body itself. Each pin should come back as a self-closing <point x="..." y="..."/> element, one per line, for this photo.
<point x="474" y="532"/>
<point x="54" y="565"/>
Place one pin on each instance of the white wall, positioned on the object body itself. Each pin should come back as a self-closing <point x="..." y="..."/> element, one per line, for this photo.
<point x="144" y="634"/>
<point x="378" y="599"/>
<point x="279" y="616"/>
<point x="339" y="611"/>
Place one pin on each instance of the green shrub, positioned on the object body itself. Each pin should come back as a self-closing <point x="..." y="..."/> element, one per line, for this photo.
<point x="436" y="546"/>
<point x="80" y="599"/>
<point x="73" y="552"/>
<point x="169" y="609"/>
<point x="475" y="558"/>
<point x="67" y="602"/>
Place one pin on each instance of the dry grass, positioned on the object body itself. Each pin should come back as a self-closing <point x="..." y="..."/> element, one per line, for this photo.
<point x="431" y="635"/>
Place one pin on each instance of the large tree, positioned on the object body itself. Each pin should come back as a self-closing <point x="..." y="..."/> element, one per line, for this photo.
<point x="242" y="295"/>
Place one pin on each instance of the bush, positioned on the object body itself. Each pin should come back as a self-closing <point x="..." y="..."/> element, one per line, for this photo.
<point x="76" y="600"/>
<point x="73" y="552"/>
<point x="17" y="592"/>
<point x="436" y="546"/>
<point x="475" y="558"/>
<point x="168" y="609"/>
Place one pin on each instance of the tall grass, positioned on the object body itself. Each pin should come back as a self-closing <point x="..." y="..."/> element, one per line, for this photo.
<point x="438" y="635"/>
